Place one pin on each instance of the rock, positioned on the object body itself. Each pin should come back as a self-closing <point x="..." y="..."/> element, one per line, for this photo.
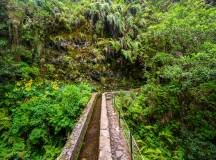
<point x="63" y="43"/>
<point x="56" y="10"/>
<point x="96" y="76"/>
<point x="118" y="154"/>
<point x="3" y="33"/>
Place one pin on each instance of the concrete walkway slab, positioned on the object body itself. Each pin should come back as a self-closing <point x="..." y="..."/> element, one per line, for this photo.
<point x="104" y="143"/>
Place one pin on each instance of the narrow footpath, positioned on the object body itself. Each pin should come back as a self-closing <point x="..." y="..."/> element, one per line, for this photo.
<point x="119" y="148"/>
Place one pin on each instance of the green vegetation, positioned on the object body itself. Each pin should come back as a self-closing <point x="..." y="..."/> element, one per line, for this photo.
<point x="173" y="115"/>
<point x="37" y="117"/>
<point x="52" y="51"/>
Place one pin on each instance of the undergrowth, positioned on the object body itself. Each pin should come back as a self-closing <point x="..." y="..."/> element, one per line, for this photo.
<point x="37" y="117"/>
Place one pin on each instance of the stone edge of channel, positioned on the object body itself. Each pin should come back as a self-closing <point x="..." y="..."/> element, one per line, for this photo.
<point x="73" y="145"/>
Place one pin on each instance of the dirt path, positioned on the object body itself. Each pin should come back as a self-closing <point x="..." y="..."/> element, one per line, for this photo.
<point x="90" y="148"/>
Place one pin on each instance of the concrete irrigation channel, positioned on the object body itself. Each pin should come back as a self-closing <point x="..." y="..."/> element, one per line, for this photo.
<point x="90" y="147"/>
<point x="97" y="135"/>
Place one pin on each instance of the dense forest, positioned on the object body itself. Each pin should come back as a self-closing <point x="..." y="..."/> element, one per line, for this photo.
<point x="55" y="53"/>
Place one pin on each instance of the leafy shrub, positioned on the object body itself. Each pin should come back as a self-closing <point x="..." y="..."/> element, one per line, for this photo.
<point x="41" y="123"/>
<point x="174" y="119"/>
